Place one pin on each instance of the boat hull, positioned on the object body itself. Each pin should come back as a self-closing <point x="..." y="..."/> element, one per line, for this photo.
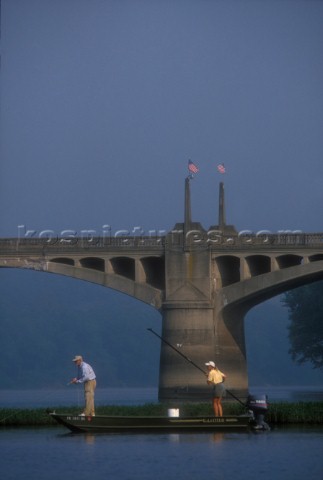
<point x="113" y="424"/>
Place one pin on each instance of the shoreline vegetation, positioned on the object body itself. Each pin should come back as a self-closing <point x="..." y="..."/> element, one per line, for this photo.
<point x="280" y="413"/>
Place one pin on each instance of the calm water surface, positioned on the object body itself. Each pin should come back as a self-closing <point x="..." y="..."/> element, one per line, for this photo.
<point x="54" y="454"/>
<point x="51" y="454"/>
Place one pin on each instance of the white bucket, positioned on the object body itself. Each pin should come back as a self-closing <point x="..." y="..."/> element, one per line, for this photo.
<point x="173" y="412"/>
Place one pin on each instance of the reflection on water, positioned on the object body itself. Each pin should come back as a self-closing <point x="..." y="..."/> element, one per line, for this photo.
<point x="90" y="438"/>
<point x="51" y="453"/>
<point x="216" y="437"/>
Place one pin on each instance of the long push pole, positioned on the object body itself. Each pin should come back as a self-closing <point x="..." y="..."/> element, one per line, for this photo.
<point x="191" y="362"/>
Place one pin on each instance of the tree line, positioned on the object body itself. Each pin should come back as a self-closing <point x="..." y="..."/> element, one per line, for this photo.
<point x="305" y="329"/>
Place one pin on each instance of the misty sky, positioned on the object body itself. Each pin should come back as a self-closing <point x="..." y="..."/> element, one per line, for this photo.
<point x="104" y="101"/>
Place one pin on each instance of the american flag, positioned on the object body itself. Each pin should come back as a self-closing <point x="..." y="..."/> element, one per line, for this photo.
<point x="192" y="168"/>
<point x="221" y="168"/>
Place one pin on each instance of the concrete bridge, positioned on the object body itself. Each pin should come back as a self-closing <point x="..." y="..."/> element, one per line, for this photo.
<point x="202" y="281"/>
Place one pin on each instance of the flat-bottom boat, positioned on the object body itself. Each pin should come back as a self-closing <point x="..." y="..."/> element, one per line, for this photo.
<point x="115" y="424"/>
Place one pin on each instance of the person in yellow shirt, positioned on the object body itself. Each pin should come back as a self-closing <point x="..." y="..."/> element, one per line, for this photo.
<point x="216" y="378"/>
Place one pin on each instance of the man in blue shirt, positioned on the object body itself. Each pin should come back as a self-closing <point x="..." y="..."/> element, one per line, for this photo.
<point x="86" y="375"/>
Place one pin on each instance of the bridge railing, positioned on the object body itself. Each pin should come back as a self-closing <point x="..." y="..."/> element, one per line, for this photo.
<point x="272" y="240"/>
<point x="76" y="244"/>
<point x="216" y="240"/>
<point x="195" y="240"/>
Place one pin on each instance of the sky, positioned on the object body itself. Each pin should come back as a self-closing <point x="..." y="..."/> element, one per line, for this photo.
<point x="104" y="101"/>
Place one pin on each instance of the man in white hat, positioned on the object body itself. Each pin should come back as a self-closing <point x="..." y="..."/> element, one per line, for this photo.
<point x="216" y="378"/>
<point x="86" y="375"/>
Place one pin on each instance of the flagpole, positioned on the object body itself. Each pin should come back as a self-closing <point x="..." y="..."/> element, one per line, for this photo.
<point x="187" y="207"/>
<point x="222" y="219"/>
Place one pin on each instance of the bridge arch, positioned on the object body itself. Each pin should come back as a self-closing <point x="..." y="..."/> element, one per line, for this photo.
<point x="124" y="266"/>
<point x="258" y="264"/>
<point x="255" y="290"/>
<point x="315" y="258"/>
<point x="94" y="263"/>
<point x="154" y="268"/>
<point x="63" y="260"/>
<point x="142" y="291"/>
<point x="91" y="270"/>
<point x="53" y="317"/>
<point x="229" y="269"/>
<point x="289" y="260"/>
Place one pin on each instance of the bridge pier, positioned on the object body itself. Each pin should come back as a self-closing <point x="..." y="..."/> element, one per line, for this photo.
<point x="190" y="330"/>
<point x="201" y="335"/>
<point x="198" y="323"/>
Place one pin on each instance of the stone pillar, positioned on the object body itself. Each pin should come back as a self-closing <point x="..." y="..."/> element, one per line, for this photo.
<point x="201" y="334"/>
<point x="196" y="322"/>
<point x="190" y="330"/>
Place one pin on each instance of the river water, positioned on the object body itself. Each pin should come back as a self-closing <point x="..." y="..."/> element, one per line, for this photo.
<point x="52" y="454"/>
<point x="293" y="453"/>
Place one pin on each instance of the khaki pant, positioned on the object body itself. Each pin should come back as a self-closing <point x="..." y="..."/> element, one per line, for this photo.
<point x="89" y="388"/>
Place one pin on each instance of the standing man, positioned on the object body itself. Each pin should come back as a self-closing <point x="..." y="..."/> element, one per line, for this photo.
<point x="86" y="375"/>
<point x="216" y="378"/>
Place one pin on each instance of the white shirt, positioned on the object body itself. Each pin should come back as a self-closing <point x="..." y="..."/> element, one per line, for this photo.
<point x="85" y="373"/>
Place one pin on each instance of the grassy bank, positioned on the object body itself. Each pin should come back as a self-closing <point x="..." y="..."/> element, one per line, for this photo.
<point x="306" y="413"/>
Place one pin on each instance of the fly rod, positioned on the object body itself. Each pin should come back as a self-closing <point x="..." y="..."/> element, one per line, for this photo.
<point x="190" y="361"/>
<point x="180" y="353"/>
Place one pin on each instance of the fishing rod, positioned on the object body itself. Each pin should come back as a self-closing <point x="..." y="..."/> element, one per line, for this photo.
<point x="190" y="361"/>
<point x="180" y="353"/>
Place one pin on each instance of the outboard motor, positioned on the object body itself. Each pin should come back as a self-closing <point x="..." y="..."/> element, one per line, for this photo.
<point x="258" y="405"/>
